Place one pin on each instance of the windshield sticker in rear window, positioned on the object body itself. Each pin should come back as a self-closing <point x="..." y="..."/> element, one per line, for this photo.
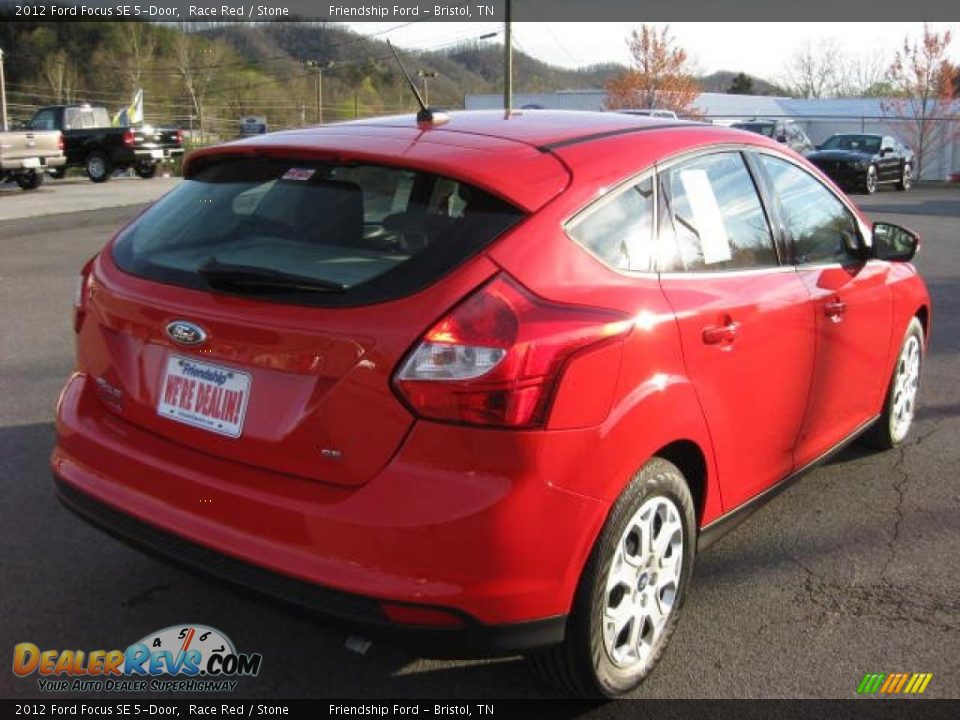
<point x="706" y="212"/>
<point x="298" y="174"/>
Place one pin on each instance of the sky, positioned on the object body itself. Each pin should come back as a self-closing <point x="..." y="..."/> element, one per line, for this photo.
<point x="761" y="49"/>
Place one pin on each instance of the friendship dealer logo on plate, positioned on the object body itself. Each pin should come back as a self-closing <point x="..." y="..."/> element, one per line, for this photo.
<point x="202" y="658"/>
<point x="206" y="396"/>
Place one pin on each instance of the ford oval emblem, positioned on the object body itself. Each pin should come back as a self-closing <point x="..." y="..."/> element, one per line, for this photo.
<point x="186" y="333"/>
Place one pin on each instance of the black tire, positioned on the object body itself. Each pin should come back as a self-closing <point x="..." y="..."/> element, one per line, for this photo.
<point x="906" y="178"/>
<point x="98" y="167"/>
<point x="869" y="186"/>
<point x="58" y="173"/>
<point x="582" y="666"/>
<point x="885" y="434"/>
<point x="146" y="170"/>
<point x="30" y="180"/>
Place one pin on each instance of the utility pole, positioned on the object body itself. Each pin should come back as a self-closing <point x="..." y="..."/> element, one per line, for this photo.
<point x="319" y="67"/>
<point x="507" y="60"/>
<point x="3" y="97"/>
<point x="426" y="75"/>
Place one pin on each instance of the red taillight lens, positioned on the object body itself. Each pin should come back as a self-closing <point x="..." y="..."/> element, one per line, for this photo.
<point x="495" y="359"/>
<point x="179" y="137"/>
<point x="128" y="138"/>
<point x="60" y="144"/>
<point x="82" y="294"/>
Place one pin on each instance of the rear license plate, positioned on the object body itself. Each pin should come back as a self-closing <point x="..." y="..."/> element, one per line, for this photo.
<point x="30" y="162"/>
<point x="156" y="154"/>
<point x="210" y="397"/>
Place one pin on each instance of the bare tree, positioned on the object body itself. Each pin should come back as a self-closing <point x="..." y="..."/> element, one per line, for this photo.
<point x="921" y="77"/>
<point x="196" y="63"/>
<point x="61" y="75"/>
<point x="139" y="46"/>
<point x="863" y="76"/>
<point x="812" y="70"/>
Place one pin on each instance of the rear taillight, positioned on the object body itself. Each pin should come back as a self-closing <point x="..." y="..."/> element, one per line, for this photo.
<point x="128" y="138"/>
<point x="496" y="358"/>
<point x="82" y="295"/>
<point x="60" y="144"/>
<point x="178" y="137"/>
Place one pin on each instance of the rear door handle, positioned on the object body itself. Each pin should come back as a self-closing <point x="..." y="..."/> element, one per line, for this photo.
<point x="834" y="309"/>
<point x="721" y="334"/>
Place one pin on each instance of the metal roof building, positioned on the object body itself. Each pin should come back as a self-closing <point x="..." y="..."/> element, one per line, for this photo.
<point x="819" y="118"/>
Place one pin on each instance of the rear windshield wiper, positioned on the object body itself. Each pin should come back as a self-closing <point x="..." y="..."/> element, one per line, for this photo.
<point x="250" y="276"/>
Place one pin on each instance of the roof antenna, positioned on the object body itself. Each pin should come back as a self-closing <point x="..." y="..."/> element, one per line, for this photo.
<point x="425" y="115"/>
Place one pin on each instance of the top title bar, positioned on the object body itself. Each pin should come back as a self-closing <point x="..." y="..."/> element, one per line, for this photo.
<point x="482" y="10"/>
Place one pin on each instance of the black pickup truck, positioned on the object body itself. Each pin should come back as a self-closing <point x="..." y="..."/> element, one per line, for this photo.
<point x="91" y="143"/>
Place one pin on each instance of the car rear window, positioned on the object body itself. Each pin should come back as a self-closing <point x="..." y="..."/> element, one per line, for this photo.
<point x="308" y="233"/>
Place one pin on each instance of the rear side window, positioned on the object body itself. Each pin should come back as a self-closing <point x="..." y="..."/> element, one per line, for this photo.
<point x="44" y="120"/>
<point x="309" y="233"/>
<point x="713" y="218"/>
<point x="819" y="224"/>
<point x="619" y="231"/>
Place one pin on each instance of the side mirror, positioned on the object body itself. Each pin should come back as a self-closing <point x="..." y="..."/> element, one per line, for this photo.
<point x="886" y="150"/>
<point x="782" y="137"/>
<point x="894" y="243"/>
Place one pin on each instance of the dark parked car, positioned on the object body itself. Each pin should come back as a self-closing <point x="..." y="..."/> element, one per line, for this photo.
<point x="783" y="131"/>
<point x="91" y="143"/>
<point x="858" y="162"/>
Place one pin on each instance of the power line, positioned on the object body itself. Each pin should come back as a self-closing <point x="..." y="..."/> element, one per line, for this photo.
<point x="533" y="6"/>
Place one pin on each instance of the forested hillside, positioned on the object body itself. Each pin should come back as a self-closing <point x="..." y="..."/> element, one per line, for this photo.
<point x="211" y="75"/>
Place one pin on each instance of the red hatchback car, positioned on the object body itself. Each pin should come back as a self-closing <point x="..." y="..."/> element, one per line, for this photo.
<point x="483" y="386"/>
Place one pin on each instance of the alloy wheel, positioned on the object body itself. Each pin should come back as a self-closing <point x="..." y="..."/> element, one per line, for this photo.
<point x="871" y="179"/>
<point x="905" y="384"/>
<point x="643" y="582"/>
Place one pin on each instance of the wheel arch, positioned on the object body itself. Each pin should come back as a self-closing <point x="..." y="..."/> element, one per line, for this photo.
<point x="692" y="463"/>
<point x="923" y="315"/>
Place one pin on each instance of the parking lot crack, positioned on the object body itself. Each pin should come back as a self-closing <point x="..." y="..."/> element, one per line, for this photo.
<point x="144" y="596"/>
<point x="898" y="487"/>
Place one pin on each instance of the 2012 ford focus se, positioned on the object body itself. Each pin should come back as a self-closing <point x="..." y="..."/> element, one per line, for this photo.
<point x="483" y="386"/>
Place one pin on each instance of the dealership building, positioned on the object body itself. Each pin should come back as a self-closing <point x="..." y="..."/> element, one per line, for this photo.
<point x="819" y="118"/>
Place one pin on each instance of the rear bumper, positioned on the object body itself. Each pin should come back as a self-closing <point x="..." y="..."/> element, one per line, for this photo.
<point x="475" y="530"/>
<point x="157" y="154"/>
<point x="44" y="162"/>
<point x="361" y="614"/>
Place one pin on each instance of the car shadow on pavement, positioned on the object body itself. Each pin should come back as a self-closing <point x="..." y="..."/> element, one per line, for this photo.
<point x="929" y="206"/>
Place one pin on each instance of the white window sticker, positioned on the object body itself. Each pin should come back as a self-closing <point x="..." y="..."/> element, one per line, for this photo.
<point x="299" y="174"/>
<point x="714" y="242"/>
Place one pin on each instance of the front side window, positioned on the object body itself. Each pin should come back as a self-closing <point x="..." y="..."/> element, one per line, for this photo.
<point x="713" y="218"/>
<point x="620" y="231"/>
<point x="310" y="233"/>
<point x="820" y="225"/>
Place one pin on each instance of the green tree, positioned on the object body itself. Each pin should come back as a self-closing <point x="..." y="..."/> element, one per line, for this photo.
<point x="742" y="84"/>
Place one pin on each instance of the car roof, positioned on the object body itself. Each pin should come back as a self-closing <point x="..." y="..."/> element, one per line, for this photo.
<point x="541" y="128"/>
<point x="521" y="157"/>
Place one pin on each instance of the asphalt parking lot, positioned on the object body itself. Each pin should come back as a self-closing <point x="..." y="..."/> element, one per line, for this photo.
<point x="855" y="569"/>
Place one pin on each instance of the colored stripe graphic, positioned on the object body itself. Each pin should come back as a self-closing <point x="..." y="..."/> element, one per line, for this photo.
<point x="894" y="683"/>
